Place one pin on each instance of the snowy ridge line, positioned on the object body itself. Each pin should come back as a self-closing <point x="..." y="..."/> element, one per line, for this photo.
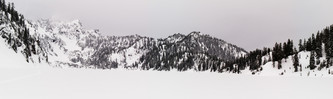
<point x="68" y="44"/>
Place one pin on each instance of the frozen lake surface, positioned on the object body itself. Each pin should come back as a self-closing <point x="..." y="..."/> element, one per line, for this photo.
<point x="43" y="82"/>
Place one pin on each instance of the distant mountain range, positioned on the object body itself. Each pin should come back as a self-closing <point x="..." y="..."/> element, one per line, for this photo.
<point x="69" y="44"/>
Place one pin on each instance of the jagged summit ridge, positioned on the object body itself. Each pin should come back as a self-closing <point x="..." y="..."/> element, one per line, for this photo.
<point x="69" y="44"/>
<point x="87" y="48"/>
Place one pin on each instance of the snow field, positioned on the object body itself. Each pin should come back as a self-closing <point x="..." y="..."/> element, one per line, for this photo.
<point x="56" y="83"/>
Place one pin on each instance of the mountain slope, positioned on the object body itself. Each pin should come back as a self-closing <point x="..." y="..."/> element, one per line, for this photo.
<point x="69" y="44"/>
<point x="312" y="58"/>
<point x="192" y="51"/>
<point x="16" y="36"/>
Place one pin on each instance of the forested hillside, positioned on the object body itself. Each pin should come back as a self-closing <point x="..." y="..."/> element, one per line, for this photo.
<point x="319" y="48"/>
<point x="16" y="34"/>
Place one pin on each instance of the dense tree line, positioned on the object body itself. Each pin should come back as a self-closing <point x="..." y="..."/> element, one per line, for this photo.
<point x="21" y="36"/>
<point x="314" y="44"/>
<point x="253" y="59"/>
<point x="9" y="10"/>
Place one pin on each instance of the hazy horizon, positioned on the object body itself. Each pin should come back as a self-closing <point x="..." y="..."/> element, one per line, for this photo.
<point x="247" y="24"/>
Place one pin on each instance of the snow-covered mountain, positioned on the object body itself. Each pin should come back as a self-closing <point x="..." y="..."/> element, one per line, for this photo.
<point x="69" y="44"/>
<point x="16" y="36"/>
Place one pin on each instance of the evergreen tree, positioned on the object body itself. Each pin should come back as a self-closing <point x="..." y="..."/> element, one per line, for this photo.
<point x="300" y="45"/>
<point x="305" y="45"/>
<point x="309" y="45"/>
<point x="313" y="42"/>
<point x="318" y="47"/>
<point x="329" y="45"/>
<point x="290" y="47"/>
<point x="279" y="64"/>
<point x="328" y="62"/>
<point x="296" y="62"/>
<point x="276" y="52"/>
<point x="312" y="61"/>
<point x="285" y="50"/>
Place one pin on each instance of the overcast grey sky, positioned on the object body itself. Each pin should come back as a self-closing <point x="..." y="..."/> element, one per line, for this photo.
<point x="247" y="23"/>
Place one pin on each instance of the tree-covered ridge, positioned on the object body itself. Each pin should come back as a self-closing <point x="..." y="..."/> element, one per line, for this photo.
<point x="15" y="32"/>
<point x="11" y="13"/>
<point x="193" y="51"/>
<point x="318" y="44"/>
